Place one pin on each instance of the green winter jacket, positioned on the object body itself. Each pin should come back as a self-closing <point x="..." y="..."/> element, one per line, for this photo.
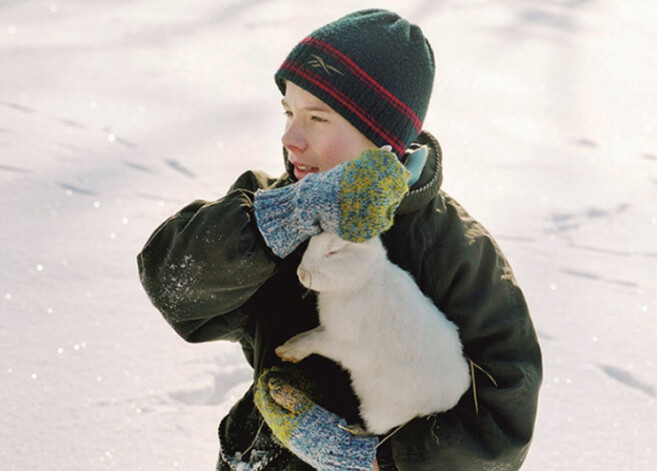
<point x="210" y="274"/>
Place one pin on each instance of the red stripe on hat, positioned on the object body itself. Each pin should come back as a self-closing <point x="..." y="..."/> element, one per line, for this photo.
<point x="390" y="138"/>
<point x="365" y="77"/>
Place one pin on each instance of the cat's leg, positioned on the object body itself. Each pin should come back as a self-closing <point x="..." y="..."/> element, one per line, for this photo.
<point x="300" y="346"/>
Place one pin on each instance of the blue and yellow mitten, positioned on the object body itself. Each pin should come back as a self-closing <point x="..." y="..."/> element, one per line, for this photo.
<point x="315" y="435"/>
<point x="355" y="200"/>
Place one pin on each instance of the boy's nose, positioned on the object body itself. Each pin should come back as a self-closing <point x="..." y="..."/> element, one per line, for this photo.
<point x="293" y="139"/>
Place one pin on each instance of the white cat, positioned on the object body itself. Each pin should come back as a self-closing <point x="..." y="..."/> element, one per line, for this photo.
<point x="404" y="356"/>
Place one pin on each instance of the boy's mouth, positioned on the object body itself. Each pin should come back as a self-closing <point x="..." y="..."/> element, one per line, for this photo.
<point x="301" y="171"/>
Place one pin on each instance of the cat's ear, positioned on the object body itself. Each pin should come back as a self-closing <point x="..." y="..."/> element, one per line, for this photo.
<point x="335" y="245"/>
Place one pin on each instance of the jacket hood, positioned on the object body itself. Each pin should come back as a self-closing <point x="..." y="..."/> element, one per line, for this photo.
<point x="427" y="186"/>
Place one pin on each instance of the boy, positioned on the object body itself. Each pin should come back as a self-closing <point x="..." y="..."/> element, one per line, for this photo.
<point x="226" y="270"/>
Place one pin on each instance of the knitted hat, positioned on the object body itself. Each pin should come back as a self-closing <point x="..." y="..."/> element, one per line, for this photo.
<point x="372" y="67"/>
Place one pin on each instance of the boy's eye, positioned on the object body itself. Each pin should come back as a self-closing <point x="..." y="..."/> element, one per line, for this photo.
<point x="287" y="113"/>
<point x="318" y="119"/>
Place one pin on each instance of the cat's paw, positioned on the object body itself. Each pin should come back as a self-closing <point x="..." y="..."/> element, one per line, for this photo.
<point x="291" y="351"/>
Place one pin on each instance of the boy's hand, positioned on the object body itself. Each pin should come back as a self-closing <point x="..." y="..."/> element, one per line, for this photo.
<point x="355" y="200"/>
<point x="312" y="433"/>
<point x="370" y="189"/>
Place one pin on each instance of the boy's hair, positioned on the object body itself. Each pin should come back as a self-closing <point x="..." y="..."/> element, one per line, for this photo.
<point x="374" y="68"/>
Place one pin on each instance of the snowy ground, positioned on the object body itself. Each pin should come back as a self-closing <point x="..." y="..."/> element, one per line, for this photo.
<point x="115" y="114"/>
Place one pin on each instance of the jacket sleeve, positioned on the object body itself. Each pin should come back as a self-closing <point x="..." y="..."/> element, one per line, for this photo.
<point x="473" y="284"/>
<point x="203" y="264"/>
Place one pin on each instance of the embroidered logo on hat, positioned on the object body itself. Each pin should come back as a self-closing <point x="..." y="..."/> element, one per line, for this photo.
<point x="318" y="62"/>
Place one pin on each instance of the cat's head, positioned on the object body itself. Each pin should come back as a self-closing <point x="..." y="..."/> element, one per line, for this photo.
<point x="331" y="263"/>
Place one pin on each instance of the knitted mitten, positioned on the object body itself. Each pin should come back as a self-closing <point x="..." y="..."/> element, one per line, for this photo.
<point x="313" y="434"/>
<point x="355" y="200"/>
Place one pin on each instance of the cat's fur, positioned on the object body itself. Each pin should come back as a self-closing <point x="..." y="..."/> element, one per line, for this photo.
<point x="404" y="356"/>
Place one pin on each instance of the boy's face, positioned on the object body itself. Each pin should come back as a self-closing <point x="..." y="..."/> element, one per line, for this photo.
<point x="316" y="137"/>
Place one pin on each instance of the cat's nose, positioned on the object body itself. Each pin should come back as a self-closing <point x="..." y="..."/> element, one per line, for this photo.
<point x="304" y="276"/>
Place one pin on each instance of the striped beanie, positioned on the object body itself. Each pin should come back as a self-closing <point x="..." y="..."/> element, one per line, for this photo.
<point x="372" y="67"/>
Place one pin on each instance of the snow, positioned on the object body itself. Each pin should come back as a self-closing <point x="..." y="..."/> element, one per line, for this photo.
<point x="113" y="115"/>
